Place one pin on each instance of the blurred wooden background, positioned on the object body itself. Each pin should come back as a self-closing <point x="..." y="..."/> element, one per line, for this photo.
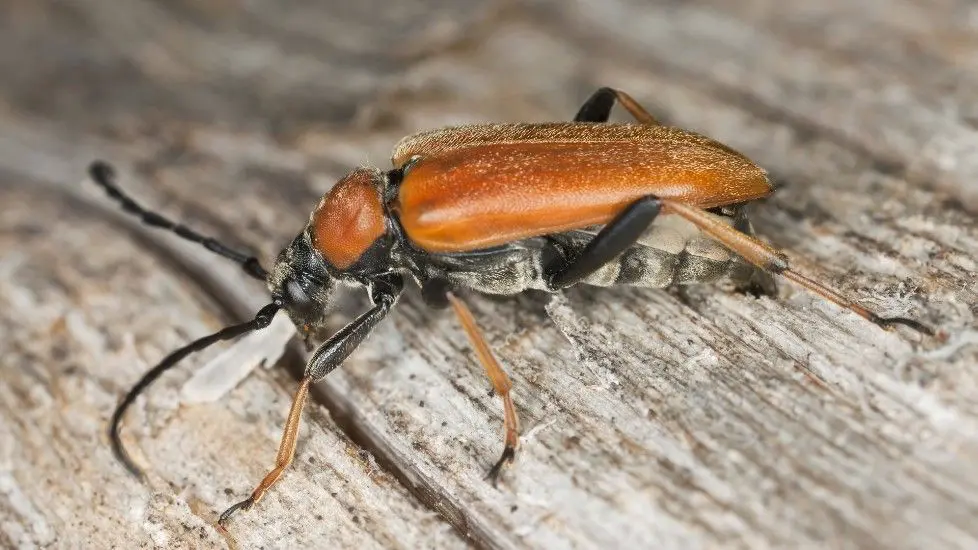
<point x="651" y="419"/>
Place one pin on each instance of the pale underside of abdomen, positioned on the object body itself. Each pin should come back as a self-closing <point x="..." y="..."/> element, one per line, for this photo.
<point x="671" y="252"/>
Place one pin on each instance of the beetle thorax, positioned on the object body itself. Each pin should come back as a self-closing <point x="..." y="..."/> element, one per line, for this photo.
<point x="349" y="218"/>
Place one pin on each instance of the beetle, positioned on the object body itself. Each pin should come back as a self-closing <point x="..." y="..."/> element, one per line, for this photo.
<point x="501" y="209"/>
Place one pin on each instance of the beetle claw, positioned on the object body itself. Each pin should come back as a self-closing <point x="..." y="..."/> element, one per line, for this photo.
<point x="509" y="453"/>
<point x="226" y="515"/>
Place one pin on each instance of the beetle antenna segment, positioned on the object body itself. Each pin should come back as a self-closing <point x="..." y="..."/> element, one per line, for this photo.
<point x="500" y="382"/>
<point x="103" y="174"/>
<point x="766" y="257"/>
<point x="261" y="320"/>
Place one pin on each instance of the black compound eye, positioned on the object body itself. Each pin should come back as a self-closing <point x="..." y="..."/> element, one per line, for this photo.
<point x="296" y="296"/>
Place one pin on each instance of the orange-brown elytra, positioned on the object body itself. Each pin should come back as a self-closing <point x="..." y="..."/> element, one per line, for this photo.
<point x="499" y="209"/>
<point x="583" y="174"/>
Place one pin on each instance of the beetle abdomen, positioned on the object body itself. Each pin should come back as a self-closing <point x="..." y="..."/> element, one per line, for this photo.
<point x="671" y="252"/>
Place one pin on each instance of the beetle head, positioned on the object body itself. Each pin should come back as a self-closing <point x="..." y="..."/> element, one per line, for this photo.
<point x="300" y="283"/>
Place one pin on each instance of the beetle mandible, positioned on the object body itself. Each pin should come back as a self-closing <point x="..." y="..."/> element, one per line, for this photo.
<point x="500" y="209"/>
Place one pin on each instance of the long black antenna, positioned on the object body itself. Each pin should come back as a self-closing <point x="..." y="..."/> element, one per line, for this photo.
<point x="261" y="320"/>
<point x="103" y="174"/>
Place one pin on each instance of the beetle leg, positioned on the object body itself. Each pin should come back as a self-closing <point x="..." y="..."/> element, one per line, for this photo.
<point x="434" y="293"/>
<point x="613" y="239"/>
<point x="597" y="108"/>
<point x="500" y="382"/>
<point x="286" y="451"/>
<point x="766" y="257"/>
<point x="751" y="279"/>
<point x="326" y="358"/>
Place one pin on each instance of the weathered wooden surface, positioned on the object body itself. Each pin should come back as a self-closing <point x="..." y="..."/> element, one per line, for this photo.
<point x="651" y="419"/>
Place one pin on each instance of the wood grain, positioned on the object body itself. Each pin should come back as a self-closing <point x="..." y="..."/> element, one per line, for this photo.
<point x="652" y="419"/>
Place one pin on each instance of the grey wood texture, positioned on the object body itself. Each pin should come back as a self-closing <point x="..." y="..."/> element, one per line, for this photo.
<point x="651" y="419"/>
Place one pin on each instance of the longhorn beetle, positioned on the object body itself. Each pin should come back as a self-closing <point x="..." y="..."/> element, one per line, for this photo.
<point x="499" y="209"/>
